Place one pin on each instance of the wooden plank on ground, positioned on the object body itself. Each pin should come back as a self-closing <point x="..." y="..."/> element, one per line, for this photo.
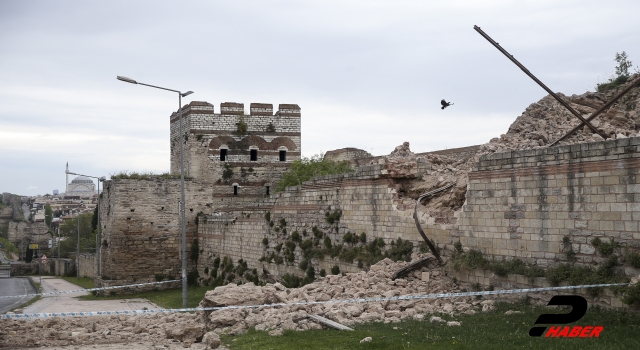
<point x="409" y="268"/>
<point x="329" y="323"/>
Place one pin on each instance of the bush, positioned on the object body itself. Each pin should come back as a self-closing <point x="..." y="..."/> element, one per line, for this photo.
<point x="192" y="277"/>
<point x="633" y="259"/>
<point x="400" y="250"/>
<point x="335" y="270"/>
<point x="303" y="264"/>
<point x="323" y="272"/>
<point x="306" y="168"/>
<point x="605" y="249"/>
<point x="457" y="246"/>
<point x="333" y="217"/>
<point x="291" y="281"/>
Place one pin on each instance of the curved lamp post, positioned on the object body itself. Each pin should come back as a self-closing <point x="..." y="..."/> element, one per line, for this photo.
<point x="182" y="206"/>
<point x="100" y="179"/>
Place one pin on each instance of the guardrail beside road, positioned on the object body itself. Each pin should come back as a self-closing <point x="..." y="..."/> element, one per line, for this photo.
<point x="5" y="271"/>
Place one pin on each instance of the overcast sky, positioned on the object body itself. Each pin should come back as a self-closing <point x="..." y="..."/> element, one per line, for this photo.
<point x="367" y="74"/>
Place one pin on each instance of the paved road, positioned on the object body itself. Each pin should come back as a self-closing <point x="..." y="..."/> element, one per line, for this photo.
<point x="3" y="260"/>
<point x="69" y="302"/>
<point x="14" y="286"/>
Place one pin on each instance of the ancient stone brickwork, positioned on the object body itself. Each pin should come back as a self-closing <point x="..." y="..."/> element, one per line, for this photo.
<point x="141" y="233"/>
<point x="457" y="153"/>
<point x="87" y="265"/>
<point x="205" y="133"/>
<point x="369" y="203"/>
<point x="521" y="204"/>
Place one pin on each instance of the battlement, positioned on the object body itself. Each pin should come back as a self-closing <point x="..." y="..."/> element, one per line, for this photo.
<point x="234" y="108"/>
<point x="261" y="109"/>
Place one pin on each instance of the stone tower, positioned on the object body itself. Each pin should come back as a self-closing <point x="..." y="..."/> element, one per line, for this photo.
<point x="242" y="155"/>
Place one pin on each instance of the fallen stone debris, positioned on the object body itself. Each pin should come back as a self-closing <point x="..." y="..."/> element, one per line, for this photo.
<point x="375" y="283"/>
<point x="202" y="329"/>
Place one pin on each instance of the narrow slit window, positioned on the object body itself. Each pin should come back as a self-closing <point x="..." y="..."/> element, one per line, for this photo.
<point x="235" y="190"/>
<point x="254" y="155"/>
<point x="267" y="190"/>
<point x="283" y="156"/>
<point x="223" y="154"/>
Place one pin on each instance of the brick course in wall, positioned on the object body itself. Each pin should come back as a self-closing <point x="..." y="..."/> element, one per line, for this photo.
<point x="141" y="236"/>
<point x="521" y="204"/>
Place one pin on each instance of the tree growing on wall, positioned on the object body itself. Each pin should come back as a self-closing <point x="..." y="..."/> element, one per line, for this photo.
<point x="306" y="168"/>
<point x="621" y="75"/>
<point x="69" y="236"/>
<point x="48" y="215"/>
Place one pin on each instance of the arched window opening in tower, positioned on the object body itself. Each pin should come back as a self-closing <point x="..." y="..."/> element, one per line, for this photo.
<point x="223" y="154"/>
<point x="254" y="155"/>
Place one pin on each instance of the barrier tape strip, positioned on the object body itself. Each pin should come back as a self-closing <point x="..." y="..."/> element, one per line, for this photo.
<point x="86" y="290"/>
<point x="362" y="300"/>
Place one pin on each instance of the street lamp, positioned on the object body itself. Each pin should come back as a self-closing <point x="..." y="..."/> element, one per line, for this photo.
<point x="100" y="179"/>
<point x="182" y="208"/>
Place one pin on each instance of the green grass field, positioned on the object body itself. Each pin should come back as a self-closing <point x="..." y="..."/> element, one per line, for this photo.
<point x="168" y="299"/>
<point x="83" y="282"/>
<point x="493" y="330"/>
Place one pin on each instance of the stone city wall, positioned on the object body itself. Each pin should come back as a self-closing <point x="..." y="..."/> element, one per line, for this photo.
<point x="141" y="235"/>
<point x="87" y="265"/>
<point x="369" y="203"/>
<point x="522" y="204"/>
<point x="205" y="133"/>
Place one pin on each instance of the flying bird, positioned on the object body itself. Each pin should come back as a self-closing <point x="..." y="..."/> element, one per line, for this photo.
<point x="445" y="104"/>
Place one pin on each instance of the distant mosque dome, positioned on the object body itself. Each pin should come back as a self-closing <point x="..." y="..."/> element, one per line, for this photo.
<point x="82" y="180"/>
<point x="81" y="186"/>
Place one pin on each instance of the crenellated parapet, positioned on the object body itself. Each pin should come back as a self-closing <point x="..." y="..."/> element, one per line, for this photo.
<point x="264" y="140"/>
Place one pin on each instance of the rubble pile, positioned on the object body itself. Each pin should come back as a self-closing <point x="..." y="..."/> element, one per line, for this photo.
<point x="539" y="125"/>
<point x="152" y="329"/>
<point x="376" y="283"/>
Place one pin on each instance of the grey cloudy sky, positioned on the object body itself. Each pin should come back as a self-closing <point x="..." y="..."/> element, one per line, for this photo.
<point x="367" y="74"/>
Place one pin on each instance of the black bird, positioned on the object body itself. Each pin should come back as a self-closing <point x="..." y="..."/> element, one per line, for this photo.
<point x="445" y="104"/>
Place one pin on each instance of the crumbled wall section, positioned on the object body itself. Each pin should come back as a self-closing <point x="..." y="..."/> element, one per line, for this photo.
<point x="141" y="234"/>
<point x="522" y="204"/>
<point x="369" y="203"/>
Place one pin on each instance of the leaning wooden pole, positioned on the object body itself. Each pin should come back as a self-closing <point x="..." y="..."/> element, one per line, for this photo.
<point x="526" y="71"/>
<point x="417" y="221"/>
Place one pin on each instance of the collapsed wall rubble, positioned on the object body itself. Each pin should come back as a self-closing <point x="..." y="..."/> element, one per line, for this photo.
<point x="538" y="126"/>
<point x="375" y="283"/>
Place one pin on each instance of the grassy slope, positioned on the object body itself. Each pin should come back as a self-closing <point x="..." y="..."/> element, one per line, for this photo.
<point x="168" y="299"/>
<point x="83" y="282"/>
<point x="493" y="330"/>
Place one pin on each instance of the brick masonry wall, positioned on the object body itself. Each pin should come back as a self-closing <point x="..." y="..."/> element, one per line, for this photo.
<point x="87" y="265"/>
<point x="521" y="204"/>
<point x="204" y="132"/>
<point x="369" y="203"/>
<point x="141" y="233"/>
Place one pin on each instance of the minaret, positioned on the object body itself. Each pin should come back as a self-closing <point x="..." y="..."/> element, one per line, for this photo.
<point x="66" y="184"/>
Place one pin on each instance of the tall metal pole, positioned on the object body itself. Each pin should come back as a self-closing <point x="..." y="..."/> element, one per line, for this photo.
<point x="59" y="241"/>
<point x="78" y="249"/>
<point x="526" y="71"/>
<point x="182" y="209"/>
<point x="98" y="235"/>
<point x="182" y="204"/>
